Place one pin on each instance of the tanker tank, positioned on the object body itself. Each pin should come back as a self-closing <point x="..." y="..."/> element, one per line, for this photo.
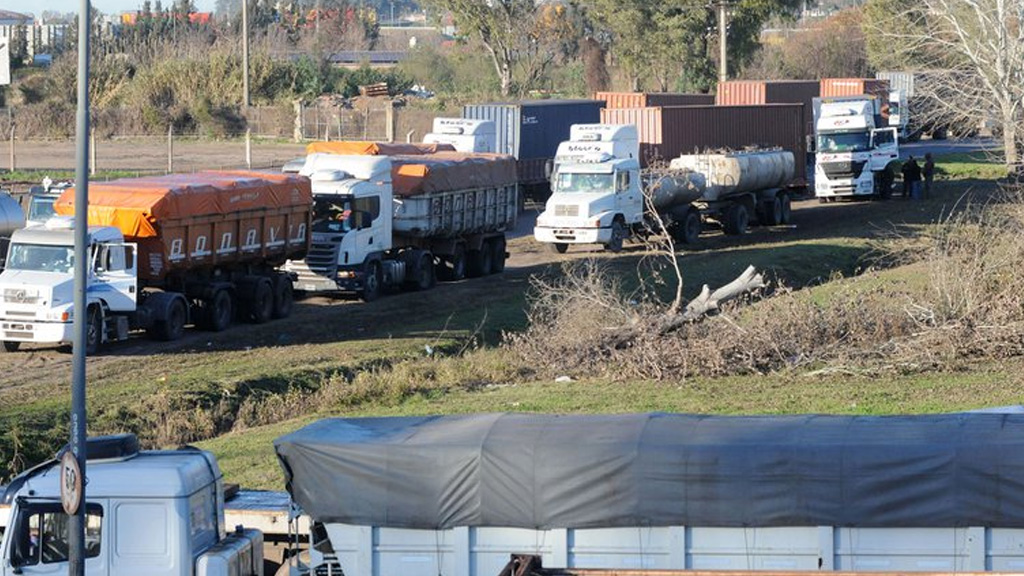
<point x="673" y="189"/>
<point x="729" y="173"/>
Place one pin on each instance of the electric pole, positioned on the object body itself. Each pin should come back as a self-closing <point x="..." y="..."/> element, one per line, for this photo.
<point x="723" y="52"/>
<point x="245" y="53"/>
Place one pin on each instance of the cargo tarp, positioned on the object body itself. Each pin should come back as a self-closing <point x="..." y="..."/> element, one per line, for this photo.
<point x="546" y="471"/>
<point x="360" y="148"/>
<point x="137" y="205"/>
<point x="445" y="171"/>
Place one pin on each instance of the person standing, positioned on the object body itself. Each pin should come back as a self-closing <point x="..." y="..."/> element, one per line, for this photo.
<point x="905" y="170"/>
<point x="929" y="174"/>
<point x="912" y="177"/>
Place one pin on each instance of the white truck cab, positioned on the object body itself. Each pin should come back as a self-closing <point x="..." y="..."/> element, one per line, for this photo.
<point x="464" y="134"/>
<point x="596" y="194"/>
<point x="37" y="283"/>
<point x="159" y="513"/>
<point x="855" y="148"/>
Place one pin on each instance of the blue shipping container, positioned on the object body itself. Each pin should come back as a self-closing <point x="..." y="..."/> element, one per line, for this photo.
<point x="533" y="129"/>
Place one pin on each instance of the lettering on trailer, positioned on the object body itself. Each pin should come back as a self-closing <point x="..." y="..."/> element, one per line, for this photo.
<point x="584" y="148"/>
<point x="530" y="120"/>
<point x="248" y="196"/>
<point x="227" y="244"/>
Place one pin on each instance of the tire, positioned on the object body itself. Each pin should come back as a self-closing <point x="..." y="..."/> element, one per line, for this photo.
<point x="487" y="258"/>
<point x="498" y="247"/>
<point x="219" y="311"/>
<point x="559" y="247"/>
<point x="260" y="309"/>
<point x="618" y="236"/>
<point x="884" y="181"/>
<point x="687" y="231"/>
<point x="736" y="219"/>
<point x="475" y="262"/>
<point x="174" y="326"/>
<point x="772" y="212"/>
<point x="787" y="209"/>
<point x="422" y="274"/>
<point x="371" y="284"/>
<point x="10" y="346"/>
<point x="284" y="297"/>
<point x="93" y="331"/>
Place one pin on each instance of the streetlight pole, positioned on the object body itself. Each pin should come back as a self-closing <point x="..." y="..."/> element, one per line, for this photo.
<point x="723" y="52"/>
<point x="71" y="478"/>
<point x="245" y="53"/>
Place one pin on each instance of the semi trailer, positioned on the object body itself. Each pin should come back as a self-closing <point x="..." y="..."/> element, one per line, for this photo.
<point x="164" y="252"/>
<point x="397" y="221"/>
<point x="603" y="195"/>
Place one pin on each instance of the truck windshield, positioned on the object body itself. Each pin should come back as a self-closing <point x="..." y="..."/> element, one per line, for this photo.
<point x="40" y="208"/>
<point x="41" y="258"/>
<point x="844" y="142"/>
<point x="591" y="183"/>
<point x="332" y="215"/>
<point x="40" y="534"/>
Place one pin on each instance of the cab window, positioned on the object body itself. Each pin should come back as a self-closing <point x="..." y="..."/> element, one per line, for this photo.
<point x="366" y="211"/>
<point x="41" y="534"/>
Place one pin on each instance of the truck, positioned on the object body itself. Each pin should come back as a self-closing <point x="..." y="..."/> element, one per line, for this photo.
<point x="400" y="221"/>
<point x="40" y="200"/>
<point x="164" y="252"/>
<point x="530" y="131"/>
<point x="159" y="513"/>
<point x="464" y="135"/>
<point x="11" y="219"/>
<point x="602" y="195"/>
<point x="629" y="493"/>
<point x="856" y="150"/>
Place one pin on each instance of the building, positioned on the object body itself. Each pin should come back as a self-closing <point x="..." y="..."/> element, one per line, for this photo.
<point x="8" y="18"/>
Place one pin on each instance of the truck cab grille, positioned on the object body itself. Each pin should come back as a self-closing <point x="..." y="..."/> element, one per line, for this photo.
<point x="836" y="170"/>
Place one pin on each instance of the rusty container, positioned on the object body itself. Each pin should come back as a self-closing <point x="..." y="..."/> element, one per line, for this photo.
<point x="747" y="92"/>
<point x="649" y="99"/>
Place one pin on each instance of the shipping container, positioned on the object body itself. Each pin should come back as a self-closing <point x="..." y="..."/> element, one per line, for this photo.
<point x="750" y="92"/>
<point x="650" y="99"/>
<point x="531" y="130"/>
<point x="832" y="87"/>
<point x="667" y="132"/>
<point x="902" y="81"/>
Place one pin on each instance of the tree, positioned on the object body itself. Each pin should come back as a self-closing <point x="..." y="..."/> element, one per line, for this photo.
<point x="513" y="32"/>
<point x="974" y="50"/>
<point x="834" y="48"/>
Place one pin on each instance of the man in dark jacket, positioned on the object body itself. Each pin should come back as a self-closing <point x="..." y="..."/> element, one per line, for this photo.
<point x="912" y="178"/>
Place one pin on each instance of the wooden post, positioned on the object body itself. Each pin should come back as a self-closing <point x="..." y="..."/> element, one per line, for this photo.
<point x="248" y="148"/>
<point x="297" y="134"/>
<point x="170" y="148"/>
<point x="12" y="148"/>
<point x="390" y="122"/>
<point x="92" y="151"/>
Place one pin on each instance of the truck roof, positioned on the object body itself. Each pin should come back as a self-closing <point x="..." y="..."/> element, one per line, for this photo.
<point x="63" y="236"/>
<point x="149" y="474"/>
<point x="137" y="205"/>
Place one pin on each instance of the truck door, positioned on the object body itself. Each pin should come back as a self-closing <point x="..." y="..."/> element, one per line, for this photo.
<point x="116" y="275"/>
<point x="884" y="148"/>
<point x="367" y="227"/>
<point x="628" y="197"/>
<point x="39" y="545"/>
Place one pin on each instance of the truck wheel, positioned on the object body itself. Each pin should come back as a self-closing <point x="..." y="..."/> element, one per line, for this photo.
<point x="475" y="262"/>
<point x="421" y="274"/>
<point x="456" y="265"/>
<point x="174" y="326"/>
<point x="559" y="247"/>
<point x="284" y="297"/>
<point x="736" y="219"/>
<point x="772" y="211"/>
<point x="261" y="307"/>
<point x="93" y="331"/>
<point x="688" y="231"/>
<point x="618" y="236"/>
<point x="787" y="208"/>
<point x="219" y="311"/>
<point x="498" y="247"/>
<point x="371" y="283"/>
<point x="10" y="346"/>
<point x="487" y="258"/>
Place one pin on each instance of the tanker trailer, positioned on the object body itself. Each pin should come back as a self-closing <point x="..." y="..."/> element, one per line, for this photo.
<point x="11" y="219"/>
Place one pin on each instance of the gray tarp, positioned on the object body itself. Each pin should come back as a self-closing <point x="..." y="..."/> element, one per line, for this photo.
<point x="545" y="471"/>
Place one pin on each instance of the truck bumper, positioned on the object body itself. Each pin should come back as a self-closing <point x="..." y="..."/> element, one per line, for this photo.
<point x="553" y="235"/>
<point x="31" y="331"/>
<point x="843" y="188"/>
<point x="345" y="281"/>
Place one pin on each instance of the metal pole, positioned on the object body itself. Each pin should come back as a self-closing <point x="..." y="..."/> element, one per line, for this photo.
<point x="723" y="62"/>
<point x="248" y="148"/>
<point x="92" y="151"/>
<point x="170" y="148"/>
<point x="12" y="148"/>
<point x="245" y="53"/>
<point x="76" y="523"/>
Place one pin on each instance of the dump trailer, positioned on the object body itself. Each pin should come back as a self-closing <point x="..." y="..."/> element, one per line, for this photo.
<point x="11" y="219"/>
<point x="398" y="221"/>
<point x="457" y="495"/>
<point x="601" y="194"/>
<point x="164" y="251"/>
<point x="159" y="513"/>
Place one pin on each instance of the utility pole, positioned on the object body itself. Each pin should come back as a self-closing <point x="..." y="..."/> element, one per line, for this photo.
<point x="245" y="53"/>
<point x="723" y="52"/>
<point x="72" y="477"/>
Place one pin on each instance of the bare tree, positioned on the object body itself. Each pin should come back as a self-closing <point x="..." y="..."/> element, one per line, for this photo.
<point x="975" y="50"/>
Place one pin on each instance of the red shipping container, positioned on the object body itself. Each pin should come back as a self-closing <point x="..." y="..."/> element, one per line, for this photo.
<point x="649" y="99"/>
<point x="747" y="92"/>
<point x="668" y="132"/>
<point x="832" y="87"/>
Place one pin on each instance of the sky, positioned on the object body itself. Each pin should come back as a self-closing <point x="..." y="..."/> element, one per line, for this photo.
<point x="107" y="6"/>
